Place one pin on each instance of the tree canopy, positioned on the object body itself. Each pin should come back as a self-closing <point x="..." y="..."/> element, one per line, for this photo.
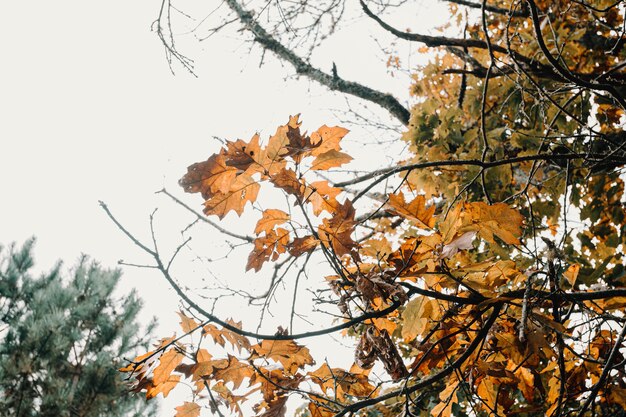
<point x="483" y="272"/>
<point x="61" y="338"/>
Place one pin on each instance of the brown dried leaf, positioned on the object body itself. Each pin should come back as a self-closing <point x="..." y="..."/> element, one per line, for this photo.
<point x="270" y="219"/>
<point x="268" y="247"/>
<point x="209" y="177"/>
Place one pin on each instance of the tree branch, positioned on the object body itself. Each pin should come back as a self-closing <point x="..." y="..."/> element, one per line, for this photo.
<point x="332" y="81"/>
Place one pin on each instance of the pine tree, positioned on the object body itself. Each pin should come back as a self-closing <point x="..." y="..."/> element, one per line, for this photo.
<point x="63" y="338"/>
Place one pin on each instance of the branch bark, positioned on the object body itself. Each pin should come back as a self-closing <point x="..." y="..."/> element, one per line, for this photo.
<point x="332" y="81"/>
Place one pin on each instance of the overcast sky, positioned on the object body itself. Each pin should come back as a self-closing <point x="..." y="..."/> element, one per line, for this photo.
<point x="90" y="111"/>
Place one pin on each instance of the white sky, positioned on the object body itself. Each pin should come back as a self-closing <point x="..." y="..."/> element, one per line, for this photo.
<point x="90" y="111"/>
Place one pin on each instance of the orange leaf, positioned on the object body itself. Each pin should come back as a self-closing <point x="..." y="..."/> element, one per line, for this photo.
<point x="233" y="371"/>
<point x="330" y="159"/>
<point x="163" y="388"/>
<point x="322" y="197"/>
<point x="187" y="323"/>
<point x="572" y="273"/>
<point x="415" y="210"/>
<point x="208" y="177"/>
<point x="291" y="355"/>
<point x="242" y="190"/>
<point x="270" y="219"/>
<point x="167" y="363"/>
<point x="188" y="410"/>
<point x="328" y="139"/>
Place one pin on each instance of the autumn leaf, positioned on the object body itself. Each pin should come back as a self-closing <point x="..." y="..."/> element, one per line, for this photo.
<point x="277" y="145"/>
<point x="270" y="219"/>
<point x="571" y="274"/>
<point x="231" y="399"/>
<point x="301" y="245"/>
<point x="322" y="197"/>
<point x="220" y="336"/>
<point x="415" y="210"/>
<point x="416" y="316"/>
<point x="336" y="232"/>
<point x="188" y="410"/>
<point x="330" y="159"/>
<point x="209" y="177"/>
<point x="287" y="352"/>
<point x="187" y="323"/>
<point x="341" y="382"/>
<point x="299" y="145"/>
<point x="250" y="157"/>
<point x="233" y="371"/>
<point x="242" y="190"/>
<point x="328" y="139"/>
<point x="487" y="220"/>
<point x="287" y="180"/>
<point x="242" y="155"/>
<point x="268" y="247"/>
<point x="163" y="388"/>
<point x="498" y="219"/>
<point x="167" y="363"/>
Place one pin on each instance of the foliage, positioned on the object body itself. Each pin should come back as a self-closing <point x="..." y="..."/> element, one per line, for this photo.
<point x="60" y="340"/>
<point x="485" y="272"/>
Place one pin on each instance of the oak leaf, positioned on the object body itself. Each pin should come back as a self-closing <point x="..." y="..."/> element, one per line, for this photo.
<point x="287" y="180"/>
<point x="416" y="210"/>
<point x="167" y="363"/>
<point x="268" y="247"/>
<point x="416" y="316"/>
<point x="341" y="382"/>
<point x="330" y="159"/>
<point x="328" y="139"/>
<point x="188" y="410"/>
<point x="242" y="190"/>
<point x="163" y="388"/>
<point x="231" y="399"/>
<point x="188" y="324"/>
<point x="301" y="245"/>
<point x="209" y="177"/>
<point x="336" y="232"/>
<point x="322" y="197"/>
<point x="270" y="219"/>
<point x="233" y="371"/>
<point x="287" y="352"/>
<point x="571" y="274"/>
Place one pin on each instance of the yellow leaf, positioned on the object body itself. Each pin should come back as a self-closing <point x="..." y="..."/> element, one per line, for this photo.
<point x="416" y="316"/>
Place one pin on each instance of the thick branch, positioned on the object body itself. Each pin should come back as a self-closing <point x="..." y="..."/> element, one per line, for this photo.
<point x="332" y="81"/>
